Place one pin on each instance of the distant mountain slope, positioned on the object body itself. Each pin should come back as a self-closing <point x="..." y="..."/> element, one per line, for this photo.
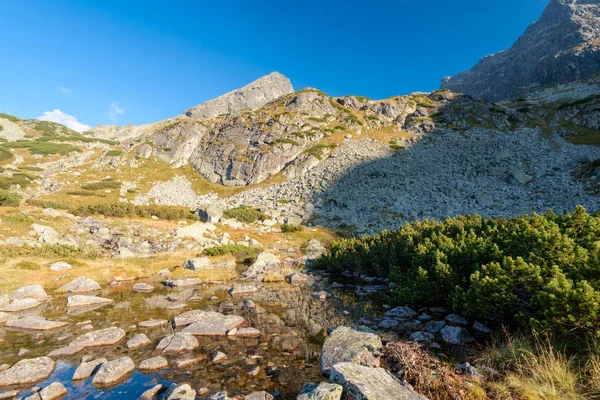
<point x="250" y="97"/>
<point x="562" y="46"/>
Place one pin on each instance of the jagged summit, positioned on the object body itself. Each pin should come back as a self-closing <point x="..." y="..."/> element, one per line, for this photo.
<point x="251" y="96"/>
<point x="562" y="46"/>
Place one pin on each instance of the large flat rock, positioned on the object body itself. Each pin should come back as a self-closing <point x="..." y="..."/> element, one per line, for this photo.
<point x="177" y="343"/>
<point x="113" y="371"/>
<point x="80" y="300"/>
<point x="81" y="284"/>
<point x="99" y="338"/>
<point x="87" y="369"/>
<point x="359" y="345"/>
<point x="366" y="383"/>
<point x="35" y="324"/>
<point x="27" y="372"/>
<point x="207" y="323"/>
<point x="21" y="305"/>
<point x="29" y="292"/>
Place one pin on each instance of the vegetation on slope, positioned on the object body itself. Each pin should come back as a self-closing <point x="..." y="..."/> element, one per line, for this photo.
<point x="539" y="271"/>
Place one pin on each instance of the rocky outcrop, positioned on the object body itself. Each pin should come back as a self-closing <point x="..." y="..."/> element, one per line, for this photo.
<point x="358" y="345"/>
<point x="562" y="46"/>
<point x="251" y="96"/>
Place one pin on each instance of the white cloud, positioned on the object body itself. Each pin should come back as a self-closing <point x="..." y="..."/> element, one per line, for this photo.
<point x="65" y="119"/>
<point x="64" y="90"/>
<point x="115" y="110"/>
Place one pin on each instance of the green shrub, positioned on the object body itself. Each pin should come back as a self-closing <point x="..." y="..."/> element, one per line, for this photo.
<point x="5" y="154"/>
<point x="9" y="117"/>
<point x="317" y="151"/>
<point x="240" y="252"/>
<point x="108" y="183"/>
<point x="84" y="193"/>
<point x="10" y="199"/>
<point x="286" y="141"/>
<point x="122" y="210"/>
<point x="48" y="251"/>
<point x="245" y="214"/>
<point x="291" y="228"/>
<point x="42" y="147"/>
<point x="19" y="178"/>
<point x="17" y="219"/>
<point x="540" y="271"/>
<point x="47" y="204"/>
<point x="30" y="168"/>
<point x="27" y="265"/>
<point x="1" y="128"/>
<point x="114" y="153"/>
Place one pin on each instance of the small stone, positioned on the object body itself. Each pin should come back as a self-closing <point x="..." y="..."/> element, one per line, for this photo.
<point x="81" y="284"/>
<point x="143" y="288"/>
<point x="218" y="356"/>
<point x="80" y="300"/>
<point x="153" y="323"/>
<point x="388" y="323"/>
<point x="113" y="371"/>
<point x="247" y="332"/>
<point x="87" y="369"/>
<point x="434" y="326"/>
<point x="137" y="341"/>
<point x="455" y="320"/>
<point x="456" y="335"/>
<point x="420" y="337"/>
<point x="321" y="295"/>
<point x="186" y="362"/>
<point x="151" y="393"/>
<point x="53" y="391"/>
<point x="242" y="290"/>
<point x="401" y="313"/>
<point x="60" y="266"/>
<point x="23" y="352"/>
<point x="154" y="363"/>
<point x="177" y="343"/>
<point x="29" y="292"/>
<point x="249" y="304"/>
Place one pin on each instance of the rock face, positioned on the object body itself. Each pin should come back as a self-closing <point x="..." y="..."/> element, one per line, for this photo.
<point x="364" y="383"/>
<point x="562" y="46"/>
<point x="27" y="372"/>
<point x="251" y="96"/>
<point x="351" y="344"/>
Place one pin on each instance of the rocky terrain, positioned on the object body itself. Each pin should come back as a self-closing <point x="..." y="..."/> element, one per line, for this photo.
<point x="176" y="259"/>
<point x="562" y="46"/>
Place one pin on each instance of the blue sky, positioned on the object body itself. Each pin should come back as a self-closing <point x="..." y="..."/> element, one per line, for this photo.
<point x="120" y="62"/>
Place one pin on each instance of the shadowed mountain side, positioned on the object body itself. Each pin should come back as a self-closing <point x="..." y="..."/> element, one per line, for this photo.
<point x="495" y="174"/>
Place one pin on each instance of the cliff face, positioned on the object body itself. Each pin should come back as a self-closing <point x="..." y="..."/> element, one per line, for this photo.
<point x="562" y="46"/>
<point x="250" y="97"/>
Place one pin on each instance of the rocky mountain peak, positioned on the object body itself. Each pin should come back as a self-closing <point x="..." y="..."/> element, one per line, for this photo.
<point x="249" y="97"/>
<point x="562" y="46"/>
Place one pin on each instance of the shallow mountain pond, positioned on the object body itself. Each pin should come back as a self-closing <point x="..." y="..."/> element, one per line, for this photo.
<point x="291" y="323"/>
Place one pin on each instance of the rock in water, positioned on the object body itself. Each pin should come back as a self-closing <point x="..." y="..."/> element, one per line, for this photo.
<point x="254" y="95"/>
<point x="113" y="371"/>
<point x="177" y="343"/>
<point x="207" y="323"/>
<point x="562" y="46"/>
<point x="27" y="372"/>
<point x="29" y="292"/>
<point x="262" y="395"/>
<point x="87" y="369"/>
<point x="80" y="285"/>
<point x="154" y="363"/>
<point x="321" y="391"/>
<point x="359" y="345"/>
<point x="35" y="324"/>
<point x="102" y="337"/>
<point x="53" y="391"/>
<point x="180" y="392"/>
<point x="80" y="300"/>
<point x="364" y="383"/>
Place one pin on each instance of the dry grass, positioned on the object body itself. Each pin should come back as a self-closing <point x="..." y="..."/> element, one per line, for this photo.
<point x="429" y="376"/>
<point x="22" y="270"/>
<point x="534" y="368"/>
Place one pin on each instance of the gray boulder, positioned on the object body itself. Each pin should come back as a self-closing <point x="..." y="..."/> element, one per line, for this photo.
<point x="29" y="292"/>
<point x="154" y="363"/>
<point x="365" y="383"/>
<point x="87" y="369"/>
<point x="113" y="371"/>
<point x="401" y="313"/>
<point x="81" y="284"/>
<point x="27" y="372"/>
<point x="210" y="214"/>
<point x="359" y="345"/>
<point x="456" y="335"/>
<point x="177" y="343"/>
